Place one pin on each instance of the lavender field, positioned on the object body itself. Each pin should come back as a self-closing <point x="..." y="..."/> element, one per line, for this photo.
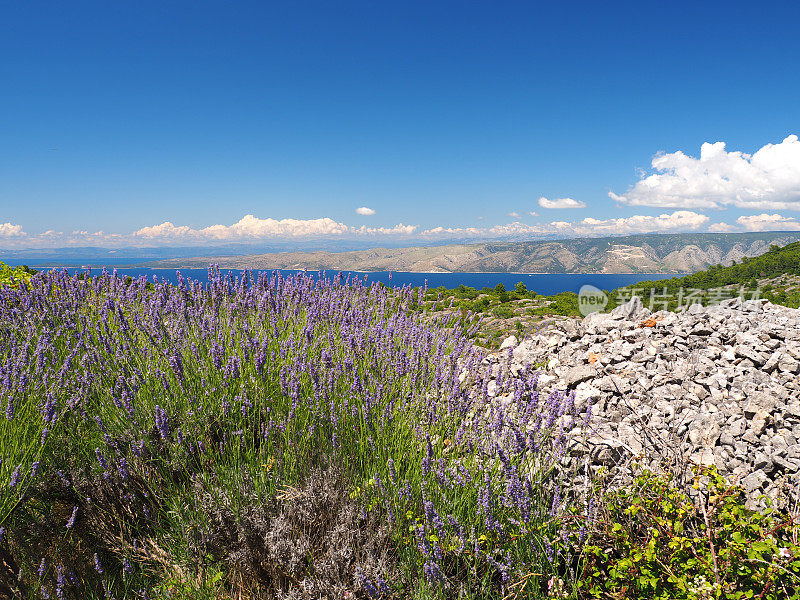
<point x="264" y="437"/>
<point x="272" y="437"/>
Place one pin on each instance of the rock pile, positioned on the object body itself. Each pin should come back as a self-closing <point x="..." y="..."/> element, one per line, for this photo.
<point x="715" y="385"/>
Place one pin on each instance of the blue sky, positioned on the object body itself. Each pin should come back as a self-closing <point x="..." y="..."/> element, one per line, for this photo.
<point x="448" y="117"/>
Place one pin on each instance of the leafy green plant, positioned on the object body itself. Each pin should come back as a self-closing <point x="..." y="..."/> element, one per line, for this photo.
<point x="651" y="540"/>
<point x="14" y="275"/>
<point x="565" y="303"/>
<point x="504" y="312"/>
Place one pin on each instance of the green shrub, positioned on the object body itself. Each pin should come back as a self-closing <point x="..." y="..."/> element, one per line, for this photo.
<point x="463" y="291"/>
<point x="504" y="312"/>
<point x="480" y="305"/>
<point x="651" y="541"/>
<point x="13" y="276"/>
<point x="565" y="303"/>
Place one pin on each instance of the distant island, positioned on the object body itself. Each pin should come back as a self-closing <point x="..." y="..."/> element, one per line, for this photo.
<point x="650" y="253"/>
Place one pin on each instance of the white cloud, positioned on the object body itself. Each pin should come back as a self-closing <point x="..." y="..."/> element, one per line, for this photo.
<point x="9" y="230"/>
<point x="165" y="230"/>
<point x="247" y="227"/>
<point x="253" y="228"/>
<point x="514" y="215"/>
<point x="533" y="213"/>
<point x="721" y="228"/>
<point x="768" y="179"/>
<point x="398" y="229"/>
<point x="363" y="210"/>
<point x="765" y="222"/>
<point x="457" y="231"/>
<point x="681" y="220"/>
<point x="557" y="203"/>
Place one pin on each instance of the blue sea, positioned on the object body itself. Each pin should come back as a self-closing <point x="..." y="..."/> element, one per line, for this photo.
<point x="546" y="284"/>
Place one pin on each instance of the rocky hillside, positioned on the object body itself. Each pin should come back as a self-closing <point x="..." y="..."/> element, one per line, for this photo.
<point x="713" y="386"/>
<point x="654" y="253"/>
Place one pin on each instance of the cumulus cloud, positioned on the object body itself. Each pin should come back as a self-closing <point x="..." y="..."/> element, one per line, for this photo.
<point x="768" y="179"/>
<point x="248" y="226"/>
<point x="514" y="215"/>
<point x="557" y="203"/>
<point x="248" y="229"/>
<point x="681" y="220"/>
<point x="454" y="231"/>
<point x="363" y="210"/>
<point x="721" y="228"/>
<point x="165" y="230"/>
<point x="398" y="229"/>
<point x="765" y="222"/>
<point x="53" y="239"/>
<point x="533" y="213"/>
<point x="9" y="230"/>
<point x="253" y="228"/>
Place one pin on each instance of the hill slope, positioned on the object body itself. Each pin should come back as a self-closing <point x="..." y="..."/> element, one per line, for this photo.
<point x="652" y="253"/>
<point x="775" y="273"/>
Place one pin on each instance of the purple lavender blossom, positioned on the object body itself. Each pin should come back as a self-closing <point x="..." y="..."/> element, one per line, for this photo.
<point x="15" y="478"/>
<point x="60" y="582"/>
<point x="97" y="564"/>
<point x="162" y="422"/>
<point x="102" y="460"/>
<point x="71" y="521"/>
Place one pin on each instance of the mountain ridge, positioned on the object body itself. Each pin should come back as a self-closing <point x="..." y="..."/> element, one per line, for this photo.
<point x="642" y="253"/>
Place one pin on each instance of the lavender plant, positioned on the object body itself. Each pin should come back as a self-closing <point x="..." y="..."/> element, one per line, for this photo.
<point x="158" y="434"/>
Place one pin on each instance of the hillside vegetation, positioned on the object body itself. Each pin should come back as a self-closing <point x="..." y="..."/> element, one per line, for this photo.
<point x="774" y="275"/>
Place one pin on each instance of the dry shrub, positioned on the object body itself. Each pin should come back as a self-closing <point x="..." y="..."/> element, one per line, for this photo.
<point x="313" y="541"/>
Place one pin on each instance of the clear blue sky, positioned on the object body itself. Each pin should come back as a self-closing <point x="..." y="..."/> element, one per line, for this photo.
<point x="117" y="116"/>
